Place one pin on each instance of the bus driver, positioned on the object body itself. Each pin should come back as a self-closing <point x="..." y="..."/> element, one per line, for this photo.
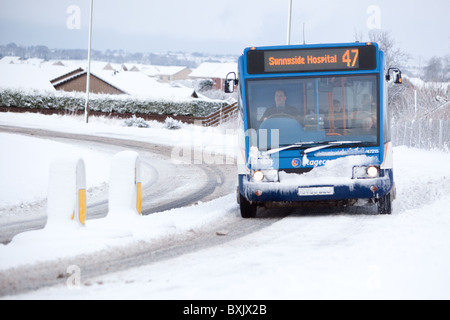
<point x="280" y="106"/>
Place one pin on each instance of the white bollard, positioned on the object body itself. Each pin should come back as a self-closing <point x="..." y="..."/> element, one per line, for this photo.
<point x="125" y="187"/>
<point x="81" y="201"/>
<point x="66" y="192"/>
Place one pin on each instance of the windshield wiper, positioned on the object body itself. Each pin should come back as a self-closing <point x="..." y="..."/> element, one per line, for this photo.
<point x="295" y="145"/>
<point x="329" y="144"/>
<point x="317" y="146"/>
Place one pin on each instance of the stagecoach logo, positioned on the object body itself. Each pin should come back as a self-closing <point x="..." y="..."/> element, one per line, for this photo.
<point x="296" y="163"/>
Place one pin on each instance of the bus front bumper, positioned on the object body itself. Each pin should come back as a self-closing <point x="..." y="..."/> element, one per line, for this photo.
<point x="295" y="191"/>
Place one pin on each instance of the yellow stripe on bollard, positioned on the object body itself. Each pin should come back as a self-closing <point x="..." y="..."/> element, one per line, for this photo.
<point x="139" y="197"/>
<point x="82" y="205"/>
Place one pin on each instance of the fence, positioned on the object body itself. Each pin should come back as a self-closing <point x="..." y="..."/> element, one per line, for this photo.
<point x="220" y="116"/>
<point x="424" y="134"/>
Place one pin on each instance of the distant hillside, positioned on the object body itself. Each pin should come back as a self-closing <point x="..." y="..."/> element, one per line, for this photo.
<point x="190" y="60"/>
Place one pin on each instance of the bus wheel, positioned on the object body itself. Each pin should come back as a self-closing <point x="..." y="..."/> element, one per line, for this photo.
<point x="385" y="204"/>
<point x="248" y="210"/>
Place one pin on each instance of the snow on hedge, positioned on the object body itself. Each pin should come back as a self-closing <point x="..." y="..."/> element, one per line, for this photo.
<point x="71" y="102"/>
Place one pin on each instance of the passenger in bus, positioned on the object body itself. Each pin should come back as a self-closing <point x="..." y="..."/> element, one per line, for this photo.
<point x="337" y="107"/>
<point x="280" y="108"/>
<point x="368" y="126"/>
<point x="365" y="124"/>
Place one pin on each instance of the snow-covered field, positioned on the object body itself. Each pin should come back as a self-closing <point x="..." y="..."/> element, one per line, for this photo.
<point x="350" y="254"/>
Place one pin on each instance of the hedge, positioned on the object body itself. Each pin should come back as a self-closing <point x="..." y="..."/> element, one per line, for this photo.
<point x="72" y="102"/>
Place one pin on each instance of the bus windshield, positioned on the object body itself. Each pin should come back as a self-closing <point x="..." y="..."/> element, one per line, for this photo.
<point x="310" y="110"/>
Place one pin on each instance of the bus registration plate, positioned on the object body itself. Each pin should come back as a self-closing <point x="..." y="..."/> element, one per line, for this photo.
<point x="315" y="191"/>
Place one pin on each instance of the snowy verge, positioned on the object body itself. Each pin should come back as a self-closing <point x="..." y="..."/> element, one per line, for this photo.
<point x="421" y="176"/>
<point x="25" y="164"/>
<point x="63" y="241"/>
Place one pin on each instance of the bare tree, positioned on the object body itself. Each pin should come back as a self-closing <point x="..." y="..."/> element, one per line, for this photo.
<point x="399" y="98"/>
<point x="358" y="35"/>
<point x="395" y="57"/>
<point x="437" y="70"/>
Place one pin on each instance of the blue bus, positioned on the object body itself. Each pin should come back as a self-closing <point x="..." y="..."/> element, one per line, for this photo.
<point x="314" y="126"/>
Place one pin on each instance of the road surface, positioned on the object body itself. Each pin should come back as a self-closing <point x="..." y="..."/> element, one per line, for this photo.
<point x="166" y="186"/>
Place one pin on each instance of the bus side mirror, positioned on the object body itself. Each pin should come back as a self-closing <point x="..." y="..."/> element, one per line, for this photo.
<point x="230" y="82"/>
<point x="397" y="75"/>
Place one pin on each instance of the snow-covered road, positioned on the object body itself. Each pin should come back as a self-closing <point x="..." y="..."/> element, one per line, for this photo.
<point x="343" y="253"/>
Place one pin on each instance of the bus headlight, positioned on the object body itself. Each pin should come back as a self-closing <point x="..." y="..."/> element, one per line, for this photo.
<point x="258" y="176"/>
<point x="372" y="172"/>
<point x="369" y="172"/>
<point x="265" y="175"/>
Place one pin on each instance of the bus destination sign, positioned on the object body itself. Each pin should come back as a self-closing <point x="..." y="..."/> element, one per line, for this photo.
<point x="312" y="60"/>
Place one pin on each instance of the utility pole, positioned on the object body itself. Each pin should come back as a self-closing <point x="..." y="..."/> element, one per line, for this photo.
<point x="304" y="39"/>
<point x="289" y="23"/>
<point x="88" y="80"/>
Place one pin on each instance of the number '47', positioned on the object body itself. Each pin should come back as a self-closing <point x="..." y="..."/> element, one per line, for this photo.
<point x="350" y="57"/>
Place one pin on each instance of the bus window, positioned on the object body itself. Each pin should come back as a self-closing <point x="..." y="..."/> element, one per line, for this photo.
<point x="316" y="109"/>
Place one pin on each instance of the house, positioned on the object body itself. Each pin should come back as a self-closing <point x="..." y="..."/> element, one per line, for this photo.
<point x="35" y="62"/>
<point x="134" y="69"/>
<point x="123" y="67"/>
<point x="108" y="67"/>
<point x="58" y="64"/>
<point x="136" y="84"/>
<point x="47" y="77"/>
<point x="10" y="60"/>
<point x="167" y="74"/>
<point x="217" y="72"/>
<point x="75" y="81"/>
<point x="140" y="85"/>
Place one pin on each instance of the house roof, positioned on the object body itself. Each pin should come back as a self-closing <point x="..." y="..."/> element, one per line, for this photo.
<point x="24" y="77"/>
<point x="133" y="83"/>
<point x="213" y="70"/>
<point x="154" y="71"/>
<point x="140" y="85"/>
<point x="34" y="61"/>
<point x="65" y="77"/>
<point x="46" y="77"/>
<point x="76" y="74"/>
<point x="10" y="60"/>
<point x="108" y="67"/>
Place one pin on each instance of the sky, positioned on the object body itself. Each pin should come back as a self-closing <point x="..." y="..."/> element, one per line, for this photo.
<point x="420" y="28"/>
